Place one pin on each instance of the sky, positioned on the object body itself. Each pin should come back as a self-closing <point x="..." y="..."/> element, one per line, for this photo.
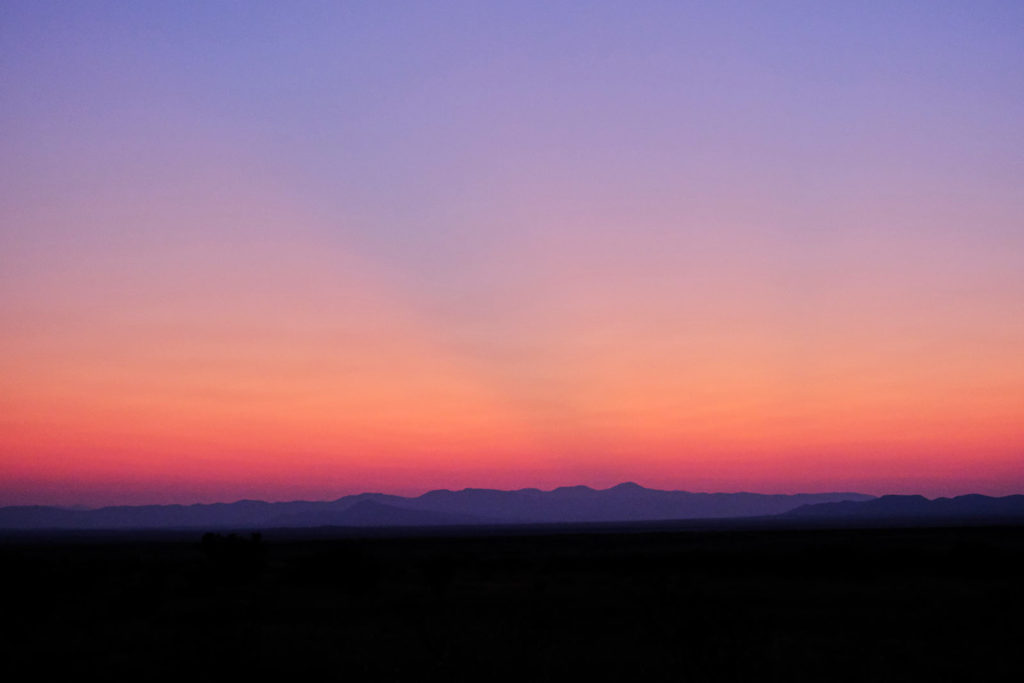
<point x="300" y="250"/>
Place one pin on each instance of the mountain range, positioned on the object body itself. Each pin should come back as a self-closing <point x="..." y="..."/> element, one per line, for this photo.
<point x="626" y="502"/>
<point x="972" y="506"/>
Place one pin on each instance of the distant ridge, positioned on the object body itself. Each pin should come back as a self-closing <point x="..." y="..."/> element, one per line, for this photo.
<point x="627" y="502"/>
<point x="370" y="513"/>
<point x="972" y="506"/>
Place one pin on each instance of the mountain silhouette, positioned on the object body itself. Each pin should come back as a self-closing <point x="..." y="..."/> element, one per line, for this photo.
<point x="972" y="506"/>
<point x="372" y="513"/>
<point x="627" y="502"/>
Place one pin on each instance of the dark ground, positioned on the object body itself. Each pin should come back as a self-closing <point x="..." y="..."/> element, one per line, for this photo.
<point x="726" y="604"/>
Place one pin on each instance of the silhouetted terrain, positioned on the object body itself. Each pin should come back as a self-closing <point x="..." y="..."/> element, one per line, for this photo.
<point x="714" y="605"/>
<point x="918" y="508"/>
<point x="625" y="502"/>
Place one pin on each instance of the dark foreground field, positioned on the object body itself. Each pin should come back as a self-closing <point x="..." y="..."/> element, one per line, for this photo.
<point x="727" y="604"/>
